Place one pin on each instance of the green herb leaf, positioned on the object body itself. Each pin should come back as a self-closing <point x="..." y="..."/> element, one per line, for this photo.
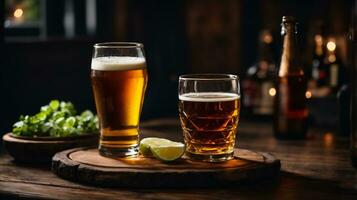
<point x="54" y="104"/>
<point x="57" y="119"/>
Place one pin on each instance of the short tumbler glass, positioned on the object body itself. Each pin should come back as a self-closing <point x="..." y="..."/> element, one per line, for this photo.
<point x="209" y="106"/>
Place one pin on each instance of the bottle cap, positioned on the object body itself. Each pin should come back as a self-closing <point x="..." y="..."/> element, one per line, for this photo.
<point x="287" y="19"/>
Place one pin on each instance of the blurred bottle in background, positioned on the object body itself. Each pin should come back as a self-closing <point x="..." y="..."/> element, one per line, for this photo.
<point x="336" y="69"/>
<point x="290" y="112"/>
<point x="258" y="86"/>
<point x="319" y="69"/>
<point x="327" y="78"/>
<point x="327" y="73"/>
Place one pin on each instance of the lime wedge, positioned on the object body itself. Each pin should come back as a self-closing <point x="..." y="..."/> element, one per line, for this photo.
<point x="169" y="153"/>
<point x="162" y="149"/>
<point x="145" y="144"/>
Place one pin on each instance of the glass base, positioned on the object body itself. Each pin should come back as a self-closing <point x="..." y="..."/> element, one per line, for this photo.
<point x="210" y="158"/>
<point x="118" y="153"/>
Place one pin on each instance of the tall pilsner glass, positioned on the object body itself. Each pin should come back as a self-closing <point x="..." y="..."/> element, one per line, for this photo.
<point x="119" y="79"/>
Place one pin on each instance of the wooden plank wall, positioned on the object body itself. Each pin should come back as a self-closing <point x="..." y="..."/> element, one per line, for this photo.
<point x="213" y="35"/>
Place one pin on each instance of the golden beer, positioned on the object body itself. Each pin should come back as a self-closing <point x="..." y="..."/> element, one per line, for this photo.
<point x="119" y="85"/>
<point x="209" y="122"/>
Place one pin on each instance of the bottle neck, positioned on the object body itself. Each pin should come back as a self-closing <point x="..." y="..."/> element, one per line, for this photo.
<point x="289" y="59"/>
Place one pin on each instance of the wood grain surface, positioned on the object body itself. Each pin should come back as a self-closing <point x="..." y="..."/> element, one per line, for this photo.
<point x="39" y="150"/>
<point x="316" y="168"/>
<point x="85" y="165"/>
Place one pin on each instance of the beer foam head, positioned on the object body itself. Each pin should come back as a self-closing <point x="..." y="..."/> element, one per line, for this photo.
<point x="209" y="97"/>
<point x="116" y="63"/>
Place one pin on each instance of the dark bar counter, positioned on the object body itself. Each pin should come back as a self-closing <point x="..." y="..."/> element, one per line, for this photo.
<point x="316" y="168"/>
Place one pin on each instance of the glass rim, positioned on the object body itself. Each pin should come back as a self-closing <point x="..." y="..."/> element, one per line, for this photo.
<point x="209" y="77"/>
<point x="118" y="45"/>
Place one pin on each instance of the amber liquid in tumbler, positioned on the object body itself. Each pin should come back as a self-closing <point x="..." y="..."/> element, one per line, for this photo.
<point x="209" y="123"/>
<point x="119" y="98"/>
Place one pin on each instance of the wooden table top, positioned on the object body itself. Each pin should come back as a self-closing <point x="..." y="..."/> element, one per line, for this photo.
<point x="317" y="168"/>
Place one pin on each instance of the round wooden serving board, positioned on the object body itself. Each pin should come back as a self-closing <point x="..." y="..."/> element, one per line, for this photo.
<point x="85" y="165"/>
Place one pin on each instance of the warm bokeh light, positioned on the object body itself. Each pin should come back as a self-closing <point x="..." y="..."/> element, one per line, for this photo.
<point x="267" y="38"/>
<point x="308" y="94"/>
<point x="272" y="92"/>
<point x="18" y="13"/>
<point x="318" y="39"/>
<point x="328" y="139"/>
<point x="331" y="46"/>
<point x="331" y="58"/>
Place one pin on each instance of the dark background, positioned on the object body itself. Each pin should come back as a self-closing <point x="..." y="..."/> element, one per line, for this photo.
<point x="179" y="36"/>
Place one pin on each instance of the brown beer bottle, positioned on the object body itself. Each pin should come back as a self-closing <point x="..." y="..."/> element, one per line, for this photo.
<point x="290" y="112"/>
